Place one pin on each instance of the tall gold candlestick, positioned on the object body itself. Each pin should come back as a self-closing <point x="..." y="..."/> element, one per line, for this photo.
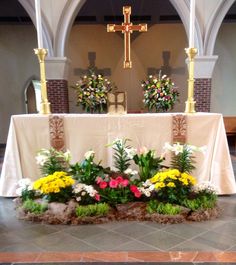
<point x="44" y="105"/>
<point x="190" y="103"/>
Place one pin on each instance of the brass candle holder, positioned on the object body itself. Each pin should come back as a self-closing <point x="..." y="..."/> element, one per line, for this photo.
<point x="44" y="105"/>
<point x="190" y="103"/>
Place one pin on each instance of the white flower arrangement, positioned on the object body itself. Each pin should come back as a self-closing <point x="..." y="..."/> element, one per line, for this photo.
<point x="147" y="188"/>
<point x="205" y="186"/>
<point x="80" y="190"/>
<point x="24" y="184"/>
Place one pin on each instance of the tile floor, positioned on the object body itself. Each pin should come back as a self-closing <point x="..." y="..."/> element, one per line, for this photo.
<point x="211" y="241"/>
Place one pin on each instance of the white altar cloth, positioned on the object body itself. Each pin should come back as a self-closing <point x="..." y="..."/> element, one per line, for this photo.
<point x="29" y="133"/>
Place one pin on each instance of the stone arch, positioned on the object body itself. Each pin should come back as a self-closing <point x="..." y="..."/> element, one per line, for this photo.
<point x="69" y="13"/>
<point x="183" y="9"/>
<point x="47" y="39"/>
<point x="72" y="8"/>
<point x="214" y="25"/>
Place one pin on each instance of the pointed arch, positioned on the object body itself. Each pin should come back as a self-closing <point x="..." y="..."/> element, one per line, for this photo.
<point x="183" y="9"/>
<point x="64" y="26"/>
<point x="214" y="24"/>
<point x="47" y="34"/>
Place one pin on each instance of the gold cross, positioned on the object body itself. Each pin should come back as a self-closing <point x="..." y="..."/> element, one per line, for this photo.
<point x="126" y="28"/>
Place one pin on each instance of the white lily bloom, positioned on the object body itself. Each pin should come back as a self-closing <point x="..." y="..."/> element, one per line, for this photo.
<point x="131" y="152"/>
<point x="67" y="155"/>
<point x="41" y="159"/>
<point x="178" y="148"/>
<point x="88" y="154"/>
<point x="168" y="147"/>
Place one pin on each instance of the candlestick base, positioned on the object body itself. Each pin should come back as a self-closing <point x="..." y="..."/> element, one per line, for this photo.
<point x="190" y="106"/>
<point x="45" y="108"/>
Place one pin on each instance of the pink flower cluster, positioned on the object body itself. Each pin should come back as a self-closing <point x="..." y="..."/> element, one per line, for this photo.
<point x="118" y="182"/>
<point x="137" y="193"/>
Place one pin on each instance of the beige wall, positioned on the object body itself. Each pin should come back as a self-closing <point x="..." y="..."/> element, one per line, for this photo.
<point x="223" y="98"/>
<point x="18" y="63"/>
<point x="146" y="52"/>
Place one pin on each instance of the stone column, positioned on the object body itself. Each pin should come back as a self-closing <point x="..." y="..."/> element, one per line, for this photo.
<point x="57" y="84"/>
<point x="204" y="66"/>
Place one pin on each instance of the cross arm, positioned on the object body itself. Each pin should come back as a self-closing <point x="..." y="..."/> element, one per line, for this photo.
<point x="114" y="28"/>
<point x="139" y="27"/>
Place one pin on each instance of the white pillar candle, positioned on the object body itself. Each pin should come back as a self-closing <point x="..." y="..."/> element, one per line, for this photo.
<point x="39" y="24"/>
<point x="191" y="26"/>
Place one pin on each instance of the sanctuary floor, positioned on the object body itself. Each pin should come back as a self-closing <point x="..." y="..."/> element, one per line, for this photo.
<point x="133" y="242"/>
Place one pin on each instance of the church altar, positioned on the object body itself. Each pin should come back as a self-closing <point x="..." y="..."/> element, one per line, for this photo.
<point x="82" y="132"/>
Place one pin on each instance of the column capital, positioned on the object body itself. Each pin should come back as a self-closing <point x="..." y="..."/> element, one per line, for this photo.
<point x="57" y="68"/>
<point x="204" y="66"/>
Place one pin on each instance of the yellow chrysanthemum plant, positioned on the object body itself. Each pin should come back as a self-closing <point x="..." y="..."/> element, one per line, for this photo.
<point x="176" y="185"/>
<point x="172" y="186"/>
<point x="55" y="187"/>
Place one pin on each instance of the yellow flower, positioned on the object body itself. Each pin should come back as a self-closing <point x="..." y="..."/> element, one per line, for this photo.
<point x="171" y="184"/>
<point x="53" y="183"/>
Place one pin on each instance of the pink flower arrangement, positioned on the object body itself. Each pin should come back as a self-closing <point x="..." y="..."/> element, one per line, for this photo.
<point x="117" y="190"/>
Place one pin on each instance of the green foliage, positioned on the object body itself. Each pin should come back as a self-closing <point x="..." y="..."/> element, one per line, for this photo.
<point x="34" y="207"/>
<point x="99" y="209"/>
<point x="121" y="154"/>
<point x="52" y="160"/>
<point x="148" y="164"/>
<point x="155" y="206"/>
<point x="86" y="171"/>
<point x="116" y="196"/>
<point x="27" y="194"/>
<point x="201" y="202"/>
<point x="183" y="161"/>
<point x="63" y="196"/>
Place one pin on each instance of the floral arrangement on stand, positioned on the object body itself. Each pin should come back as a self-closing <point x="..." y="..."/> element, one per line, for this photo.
<point x="160" y="93"/>
<point x="92" y="90"/>
<point x="86" y="192"/>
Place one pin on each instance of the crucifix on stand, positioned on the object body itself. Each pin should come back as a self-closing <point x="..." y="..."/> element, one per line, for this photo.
<point x="126" y="28"/>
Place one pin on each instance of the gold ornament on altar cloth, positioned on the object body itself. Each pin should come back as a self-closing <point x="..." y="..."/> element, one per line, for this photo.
<point x="117" y="103"/>
<point x="126" y="28"/>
